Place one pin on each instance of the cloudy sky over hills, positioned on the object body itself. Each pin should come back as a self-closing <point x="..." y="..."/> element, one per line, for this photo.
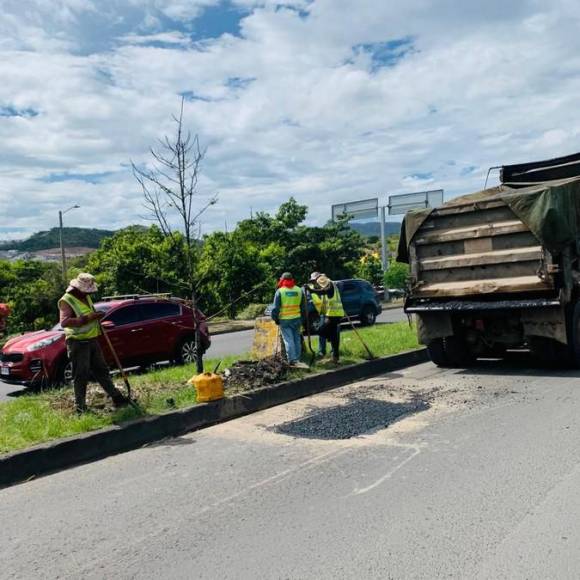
<point x="326" y="100"/>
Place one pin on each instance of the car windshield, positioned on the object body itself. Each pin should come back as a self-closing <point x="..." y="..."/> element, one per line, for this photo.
<point x="98" y="307"/>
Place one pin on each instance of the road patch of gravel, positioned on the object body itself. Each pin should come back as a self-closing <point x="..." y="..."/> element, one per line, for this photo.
<point x="355" y="418"/>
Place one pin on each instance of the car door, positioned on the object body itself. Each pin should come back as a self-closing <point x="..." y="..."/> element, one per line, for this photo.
<point x="351" y="297"/>
<point x="160" y="328"/>
<point x="124" y="332"/>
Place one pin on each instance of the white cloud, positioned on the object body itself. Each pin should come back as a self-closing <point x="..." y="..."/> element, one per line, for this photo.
<point x="291" y="105"/>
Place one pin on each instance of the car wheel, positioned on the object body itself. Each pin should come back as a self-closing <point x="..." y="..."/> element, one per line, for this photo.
<point x="65" y="374"/>
<point x="368" y="316"/>
<point x="187" y="353"/>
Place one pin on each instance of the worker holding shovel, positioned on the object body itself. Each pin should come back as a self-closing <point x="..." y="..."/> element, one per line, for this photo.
<point x="329" y="305"/>
<point x="81" y="324"/>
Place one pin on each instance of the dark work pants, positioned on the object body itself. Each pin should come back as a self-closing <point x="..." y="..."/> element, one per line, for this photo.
<point x="331" y="332"/>
<point x="88" y="361"/>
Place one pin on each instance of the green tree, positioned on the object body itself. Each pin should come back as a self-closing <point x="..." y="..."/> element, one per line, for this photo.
<point x="32" y="289"/>
<point x="287" y="244"/>
<point x="228" y="268"/>
<point x="139" y="260"/>
<point x="371" y="269"/>
<point x="396" y="275"/>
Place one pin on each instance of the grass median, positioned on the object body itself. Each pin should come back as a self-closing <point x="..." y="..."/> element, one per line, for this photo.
<point x="37" y="418"/>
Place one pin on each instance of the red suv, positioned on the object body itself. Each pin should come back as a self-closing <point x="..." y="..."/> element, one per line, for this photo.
<point x="143" y="330"/>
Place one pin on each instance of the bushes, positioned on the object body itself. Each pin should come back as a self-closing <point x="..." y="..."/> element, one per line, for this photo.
<point x="252" y="311"/>
<point x="396" y="275"/>
<point x="32" y="290"/>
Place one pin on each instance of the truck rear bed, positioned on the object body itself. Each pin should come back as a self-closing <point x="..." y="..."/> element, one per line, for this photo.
<point x="476" y="248"/>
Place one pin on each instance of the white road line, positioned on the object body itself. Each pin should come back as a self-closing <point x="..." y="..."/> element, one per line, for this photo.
<point x="277" y="478"/>
<point x="415" y="450"/>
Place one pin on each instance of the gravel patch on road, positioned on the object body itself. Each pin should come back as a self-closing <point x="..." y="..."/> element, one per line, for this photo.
<point x="357" y="417"/>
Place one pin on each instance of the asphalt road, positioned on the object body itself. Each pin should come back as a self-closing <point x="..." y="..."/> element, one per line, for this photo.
<point x="482" y="484"/>
<point x="233" y="343"/>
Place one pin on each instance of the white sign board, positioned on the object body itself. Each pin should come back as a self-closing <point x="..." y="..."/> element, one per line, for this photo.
<point x="401" y="204"/>
<point x="363" y="209"/>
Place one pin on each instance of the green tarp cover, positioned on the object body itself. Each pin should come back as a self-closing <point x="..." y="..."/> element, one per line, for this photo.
<point x="551" y="211"/>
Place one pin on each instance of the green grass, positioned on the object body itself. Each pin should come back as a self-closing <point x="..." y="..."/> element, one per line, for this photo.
<point x="37" y="418"/>
<point x="382" y="340"/>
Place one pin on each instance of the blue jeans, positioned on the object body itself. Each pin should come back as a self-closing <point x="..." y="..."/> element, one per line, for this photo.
<point x="291" y="334"/>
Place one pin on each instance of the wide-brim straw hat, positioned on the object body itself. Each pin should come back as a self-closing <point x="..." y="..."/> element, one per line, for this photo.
<point x="85" y="283"/>
<point x="323" y="281"/>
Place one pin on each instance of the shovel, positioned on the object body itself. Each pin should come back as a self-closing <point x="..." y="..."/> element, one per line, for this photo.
<point x="118" y="363"/>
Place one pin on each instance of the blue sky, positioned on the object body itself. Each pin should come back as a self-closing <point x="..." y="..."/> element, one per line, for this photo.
<point x="326" y="100"/>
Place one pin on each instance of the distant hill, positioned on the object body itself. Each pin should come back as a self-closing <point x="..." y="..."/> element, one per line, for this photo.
<point x="368" y="229"/>
<point x="73" y="238"/>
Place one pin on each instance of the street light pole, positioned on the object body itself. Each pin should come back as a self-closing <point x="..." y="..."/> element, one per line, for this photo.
<point x="62" y="252"/>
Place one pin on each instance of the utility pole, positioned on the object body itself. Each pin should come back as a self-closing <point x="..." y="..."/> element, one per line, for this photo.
<point x="62" y="252"/>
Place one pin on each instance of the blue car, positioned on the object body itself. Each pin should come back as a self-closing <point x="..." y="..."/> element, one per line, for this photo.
<point x="360" y="300"/>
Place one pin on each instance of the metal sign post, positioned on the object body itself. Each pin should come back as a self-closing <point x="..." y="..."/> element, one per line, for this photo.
<point x="365" y="208"/>
<point x="384" y="260"/>
<point x="401" y="204"/>
<point x="398" y="205"/>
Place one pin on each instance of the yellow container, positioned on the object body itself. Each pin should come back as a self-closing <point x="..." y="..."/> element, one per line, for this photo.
<point x="209" y="387"/>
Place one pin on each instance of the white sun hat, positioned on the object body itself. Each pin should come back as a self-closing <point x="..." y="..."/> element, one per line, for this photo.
<point x="84" y="282"/>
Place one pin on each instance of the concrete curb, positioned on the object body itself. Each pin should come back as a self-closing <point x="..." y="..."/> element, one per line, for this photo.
<point x="249" y="326"/>
<point x="63" y="453"/>
<point x="389" y="306"/>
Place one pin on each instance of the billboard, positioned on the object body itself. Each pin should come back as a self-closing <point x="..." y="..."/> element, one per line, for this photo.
<point x="401" y="204"/>
<point x="362" y="209"/>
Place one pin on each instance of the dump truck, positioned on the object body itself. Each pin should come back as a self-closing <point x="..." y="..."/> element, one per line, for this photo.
<point x="499" y="269"/>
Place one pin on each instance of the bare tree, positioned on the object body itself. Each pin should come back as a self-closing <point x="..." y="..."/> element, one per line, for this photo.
<point x="170" y="192"/>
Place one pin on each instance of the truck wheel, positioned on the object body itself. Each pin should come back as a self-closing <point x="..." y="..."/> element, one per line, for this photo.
<point x="573" y="332"/>
<point x="551" y="353"/>
<point x="497" y="351"/>
<point x="437" y="354"/>
<point x="368" y="316"/>
<point x="458" y="352"/>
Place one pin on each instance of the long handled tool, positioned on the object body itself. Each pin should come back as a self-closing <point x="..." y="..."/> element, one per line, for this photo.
<point x="308" y="330"/>
<point x="117" y="361"/>
<point x="371" y="355"/>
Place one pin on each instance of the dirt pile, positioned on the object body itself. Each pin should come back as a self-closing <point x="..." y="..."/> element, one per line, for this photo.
<point x="97" y="399"/>
<point x="245" y="375"/>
